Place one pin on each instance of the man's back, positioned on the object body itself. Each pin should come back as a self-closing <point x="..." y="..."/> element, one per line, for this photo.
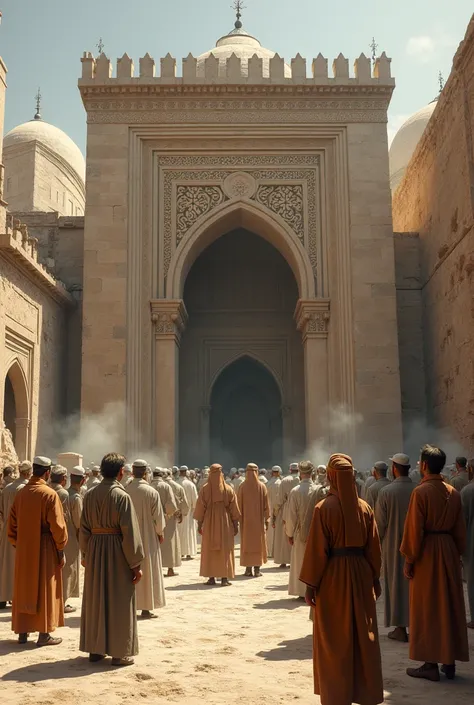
<point x="374" y="490"/>
<point x="392" y="507"/>
<point x="460" y="480"/>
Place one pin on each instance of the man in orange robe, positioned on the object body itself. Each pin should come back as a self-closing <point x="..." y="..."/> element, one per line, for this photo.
<point x="255" y="510"/>
<point x="37" y="530"/>
<point x="433" y="543"/>
<point x="217" y="514"/>
<point x="341" y="568"/>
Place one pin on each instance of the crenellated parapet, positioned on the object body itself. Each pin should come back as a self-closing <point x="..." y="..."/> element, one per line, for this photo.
<point x="234" y="71"/>
<point x="19" y="248"/>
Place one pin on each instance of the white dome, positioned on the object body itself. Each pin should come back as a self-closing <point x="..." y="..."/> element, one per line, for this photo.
<point x="244" y="46"/>
<point x="405" y="142"/>
<point x="51" y="137"/>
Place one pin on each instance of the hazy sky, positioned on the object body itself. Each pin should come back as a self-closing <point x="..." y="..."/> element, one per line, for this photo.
<point x="42" y="41"/>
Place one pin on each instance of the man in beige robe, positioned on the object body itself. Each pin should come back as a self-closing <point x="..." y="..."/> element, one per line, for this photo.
<point x="170" y="548"/>
<point x="150" y="591"/>
<point x="187" y="528"/>
<point x="7" y="552"/>
<point x="37" y="530"/>
<point x="58" y="481"/>
<point x="94" y="478"/>
<point x="112" y="551"/>
<point x="254" y="509"/>
<point x="72" y="569"/>
<point x="273" y="486"/>
<point x="380" y="471"/>
<point x="183" y="511"/>
<point x="217" y="514"/>
<point x="298" y="502"/>
<point x="281" y="545"/>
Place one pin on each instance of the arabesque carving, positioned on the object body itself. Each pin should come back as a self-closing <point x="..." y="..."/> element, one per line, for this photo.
<point x="287" y="202"/>
<point x="192" y="202"/>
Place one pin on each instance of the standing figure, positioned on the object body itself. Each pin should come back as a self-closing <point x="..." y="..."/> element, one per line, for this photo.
<point x="433" y="543"/>
<point x="7" y="552"/>
<point x="112" y="552"/>
<point x="390" y="515"/>
<point x="183" y="510"/>
<point x="37" y="530"/>
<point x="273" y="486"/>
<point x="298" y="502"/>
<point x="171" y="547"/>
<point x="252" y="499"/>
<point x="150" y="591"/>
<point x="341" y="568"/>
<point x="380" y="471"/>
<point x="94" y="478"/>
<point x="71" y="571"/>
<point x="467" y="499"/>
<point x="281" y="545"/>
<point x="58" y="480"/>
<point x="217" y="514"/>
<point x="460" y="478"/>
<point x="187" y="528"/>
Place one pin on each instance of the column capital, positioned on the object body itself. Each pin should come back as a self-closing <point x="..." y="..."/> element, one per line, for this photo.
<point x="169" y="318"/>
<point x="312" y="317"/>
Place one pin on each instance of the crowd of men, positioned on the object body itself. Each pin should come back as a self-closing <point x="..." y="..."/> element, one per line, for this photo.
<point x="337" y="530"/>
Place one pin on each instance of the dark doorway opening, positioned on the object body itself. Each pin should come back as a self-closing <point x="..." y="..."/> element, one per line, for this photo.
<point x="246" y="424"/>
<point x="9" y="408"/>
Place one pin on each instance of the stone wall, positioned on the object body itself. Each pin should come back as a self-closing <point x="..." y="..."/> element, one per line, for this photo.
<point x="436" y="200"/>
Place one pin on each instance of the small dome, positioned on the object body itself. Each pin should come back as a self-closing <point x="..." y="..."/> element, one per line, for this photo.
<point x="51" y="137"/>
<point x="244" y="46"/>
<point x="405" y="142"/>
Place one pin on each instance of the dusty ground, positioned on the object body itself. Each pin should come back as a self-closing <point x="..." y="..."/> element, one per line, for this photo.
<point x="250" y="642"/>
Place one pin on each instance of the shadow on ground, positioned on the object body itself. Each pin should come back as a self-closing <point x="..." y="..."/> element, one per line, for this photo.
<point x="290" y="650"/>
<point x="54" y="670"/>
<point x="289" y="603"/>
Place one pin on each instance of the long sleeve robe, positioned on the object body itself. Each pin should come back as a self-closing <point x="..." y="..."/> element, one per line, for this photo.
<point x="252" y="499"/>
<point x="390" y="514"/>
<point x="438" y="632"/>
<point x="460" y="480"/>
<point x="273" y="486"/>
<point x="374" y="491"/>
<point x="37" y="529"/>
<point x="171" y="546"/>
<point x="187" y="528"/>
<point x="150" y="591"/>
<point x="71" y="571"/>
<point x="281" y="546"/>
<point x="7" y="552"/>
<point x="467" y="499"/>
<point x="347" y="661"/>
<point x="298" y="502"/>
<point x="111" y="544"/>
<point x="217" y="544"/>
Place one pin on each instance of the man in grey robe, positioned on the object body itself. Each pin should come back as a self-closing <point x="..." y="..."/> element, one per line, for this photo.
<point x="170" y="548"/>
<point x="183" y="510"/>
<point x="281" y="545"/>
<point x="298" y="502"/>
<point x="58" y="481"/>
<point x="380" y="471"/>
<point x="112" y="551"/>
<point x="460" y="478"/>
<point x="467" y="498"/>
<point x="390" y="513"/>
<point x="7" y="552"/>
<point x="71" y="571"/>
<point x="273" y="486"/>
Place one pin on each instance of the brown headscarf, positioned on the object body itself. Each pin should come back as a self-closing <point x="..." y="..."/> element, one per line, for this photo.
<point x="251" y="474"/>
<point x="216" y="483"/>
<point x="340" y="473"/>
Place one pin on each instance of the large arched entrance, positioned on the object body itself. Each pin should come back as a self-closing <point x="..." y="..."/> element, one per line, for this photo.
<point x="16" y="408"/>
<point x="246" y="423"/>
<point x="241" y="366"/>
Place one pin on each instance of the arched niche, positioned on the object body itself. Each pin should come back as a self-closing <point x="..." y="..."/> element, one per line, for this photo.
<point x="16" y="402"/>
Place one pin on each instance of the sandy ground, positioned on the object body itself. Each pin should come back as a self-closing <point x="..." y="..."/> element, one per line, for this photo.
<point x="248" y="642"/>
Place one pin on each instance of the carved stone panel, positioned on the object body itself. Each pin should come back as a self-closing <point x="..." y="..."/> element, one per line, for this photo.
<point x="286" y="201"/>
<point x="192" y="202"/>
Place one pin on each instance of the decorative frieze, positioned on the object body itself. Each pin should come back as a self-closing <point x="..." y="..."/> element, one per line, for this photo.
<point x="169" y="318"/>
<point x="312" y="318"/>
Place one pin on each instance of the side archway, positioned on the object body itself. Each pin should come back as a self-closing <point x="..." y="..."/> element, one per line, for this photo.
<point x="16" y="407"/>
<point x="250" y="216"/>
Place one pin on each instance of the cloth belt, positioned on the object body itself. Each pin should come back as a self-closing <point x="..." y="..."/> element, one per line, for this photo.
<point x="346" y="552"/>
<point x="437" y="533"/>
<point x="106" y="532"/>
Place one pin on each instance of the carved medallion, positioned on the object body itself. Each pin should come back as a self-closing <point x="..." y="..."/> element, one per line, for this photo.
<point x="239" y="185"/>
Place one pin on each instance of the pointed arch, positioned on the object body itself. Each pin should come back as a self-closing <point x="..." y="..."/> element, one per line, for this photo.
<point x="19" y="383"/>
<point x="244" y="356"/>
<point x="229" y="216"/>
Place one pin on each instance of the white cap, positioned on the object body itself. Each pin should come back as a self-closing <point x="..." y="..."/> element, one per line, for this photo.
<point x="183" y="468"/>
<point x="127" y="468"/>
<point x="140" y="463"/>
<point x="322" y="468"/>
<point x="78" y="471"/>
<point x="276" y="468"/>
<point x="294" y="466"/>
<point x="43" y="461"/>
<point x="401" y="459"/>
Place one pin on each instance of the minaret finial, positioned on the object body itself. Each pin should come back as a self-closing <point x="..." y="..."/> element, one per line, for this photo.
<point x="100" y="46"/>
<point x="441" y="81"/>
<point x="38" y="97"/>
<point x="238" y="6"/>
<point x="374" y="46"/>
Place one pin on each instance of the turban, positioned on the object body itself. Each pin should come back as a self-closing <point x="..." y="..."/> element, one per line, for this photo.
<point x="341" y="478"/>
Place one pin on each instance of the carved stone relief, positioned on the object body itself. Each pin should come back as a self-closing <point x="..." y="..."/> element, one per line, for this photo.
<point x="191" y="203"/>
<point x="287" y="202"/>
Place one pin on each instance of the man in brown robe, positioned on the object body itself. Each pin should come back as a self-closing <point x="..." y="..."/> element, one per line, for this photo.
<point x="341" y="568"/>
<point x="37" y="530"/>
<point x="112" y="552"/>
<point x="433" y="542"/>
<point x="252" y="498"/>
<point x="217" y="514"/>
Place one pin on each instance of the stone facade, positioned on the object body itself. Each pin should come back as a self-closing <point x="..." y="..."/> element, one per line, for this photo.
<point x="436" y="201"/>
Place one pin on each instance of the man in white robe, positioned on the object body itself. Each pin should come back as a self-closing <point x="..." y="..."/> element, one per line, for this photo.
<point x="94" y="478"/>
<point x="150" y="591"/>
<point x="262" y="476"/>
<point x="298" y="501"/>
<point x="273" y="486"/>
<point x="281" y="545"/>
<point x="7" y="552"/>
<point x="203" y="479"/>
<point x="187" y="528"/>
<point x="238" y="479"/>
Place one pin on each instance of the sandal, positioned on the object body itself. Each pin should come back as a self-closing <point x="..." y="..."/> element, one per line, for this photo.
<point x="127" y="661"/>
<point x="50" y="641"/>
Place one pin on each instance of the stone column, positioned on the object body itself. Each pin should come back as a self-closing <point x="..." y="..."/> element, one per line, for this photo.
<point x="205" y="431"/>
<point x="169" y="318"/>
<point x="22" y="440"/>
<point x="312" y="319"/>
